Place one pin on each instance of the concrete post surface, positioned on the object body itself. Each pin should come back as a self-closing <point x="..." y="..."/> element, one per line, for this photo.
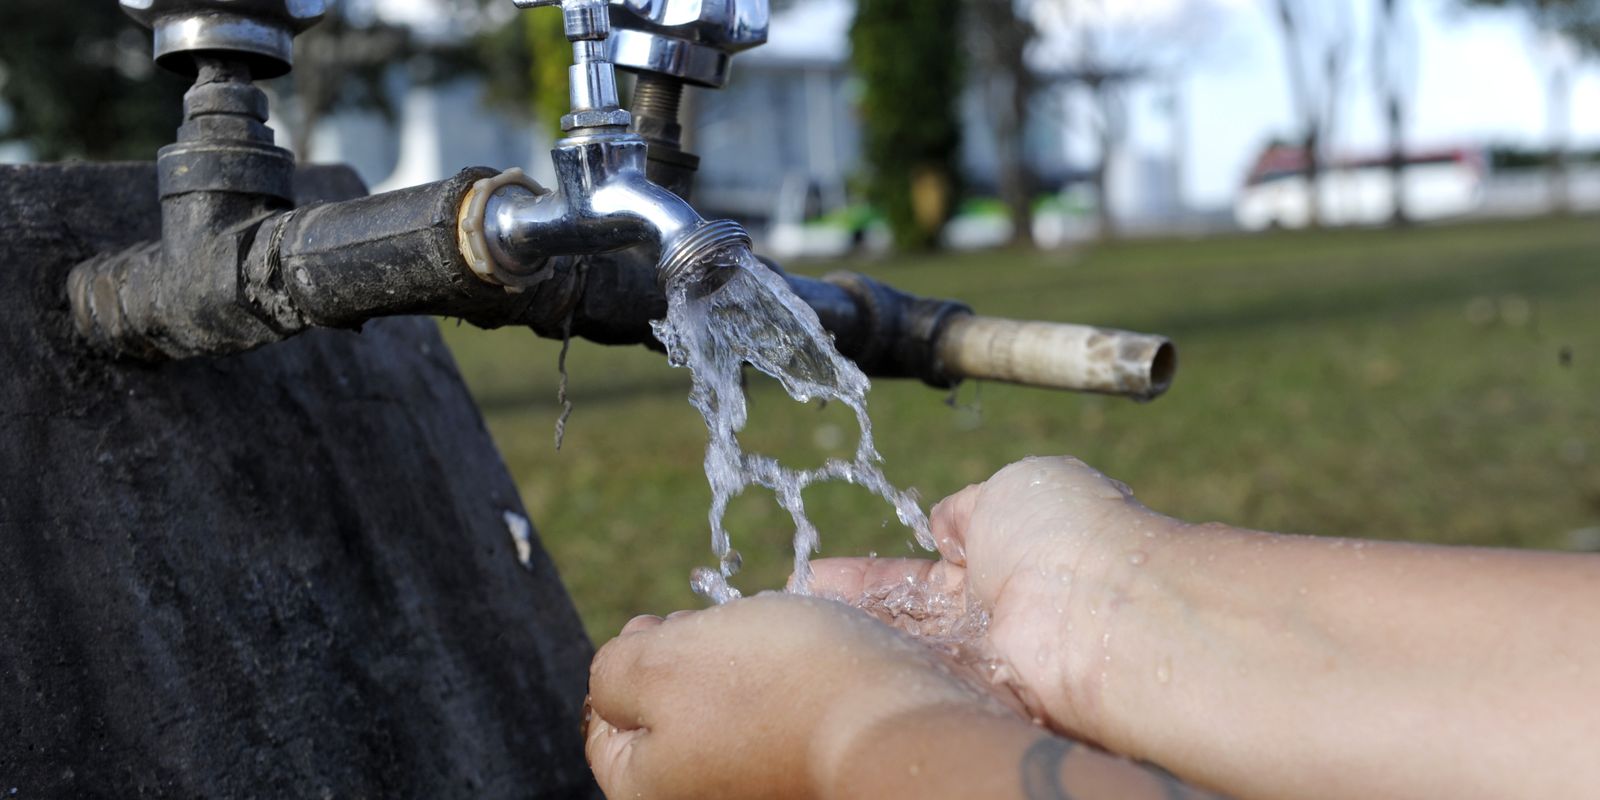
<point x="286" y="573"/>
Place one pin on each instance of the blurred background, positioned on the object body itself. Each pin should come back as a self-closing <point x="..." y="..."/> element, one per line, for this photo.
<point x="1367" y="224"/>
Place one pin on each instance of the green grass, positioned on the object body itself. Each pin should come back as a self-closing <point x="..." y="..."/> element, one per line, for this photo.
<point x="1378" y="384"/>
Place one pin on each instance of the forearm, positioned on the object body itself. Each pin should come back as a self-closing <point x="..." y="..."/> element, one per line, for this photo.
<point x="1292" y="666"/>
<point x="961" y="753"/>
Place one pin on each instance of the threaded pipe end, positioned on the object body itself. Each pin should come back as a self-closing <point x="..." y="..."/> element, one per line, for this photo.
<point x="684" y="257"/>
<point x="657" y="96"/>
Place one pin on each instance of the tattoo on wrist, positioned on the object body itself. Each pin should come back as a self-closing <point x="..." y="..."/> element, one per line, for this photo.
<point x="1041" y="769"/>
<point x="1174" y="788"/>
<point x="1042" y="779"/>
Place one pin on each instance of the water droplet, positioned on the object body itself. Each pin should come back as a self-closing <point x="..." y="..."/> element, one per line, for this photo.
<point x="732" y="563"/>
<point x="1137" y="557"/>
<point x="710" y="584"/>
<point x="1164" y="671"/>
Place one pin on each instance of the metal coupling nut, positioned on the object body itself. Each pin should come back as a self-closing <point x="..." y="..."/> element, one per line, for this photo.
<point x="596" y="118"/>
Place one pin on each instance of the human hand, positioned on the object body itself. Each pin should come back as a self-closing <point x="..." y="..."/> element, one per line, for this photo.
<point x="1040" y="546"/>
<point x="764" y="696"/>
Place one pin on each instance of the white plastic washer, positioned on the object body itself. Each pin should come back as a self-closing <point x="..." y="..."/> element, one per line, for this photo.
<point x="475" y="248"/>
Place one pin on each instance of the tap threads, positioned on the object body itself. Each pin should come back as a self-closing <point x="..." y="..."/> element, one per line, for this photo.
<point x="684" y="257"/>
<point x="657" y="96"/>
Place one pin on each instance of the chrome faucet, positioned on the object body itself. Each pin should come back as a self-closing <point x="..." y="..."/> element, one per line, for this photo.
<point x="603" y="199"/>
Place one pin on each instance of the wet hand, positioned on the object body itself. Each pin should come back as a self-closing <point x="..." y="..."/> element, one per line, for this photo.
<point x="1041" y="546"/>
<point x="763" y="696"/>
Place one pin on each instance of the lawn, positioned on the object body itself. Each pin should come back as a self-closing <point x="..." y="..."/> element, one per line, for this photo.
<point x="1439" y="384"/>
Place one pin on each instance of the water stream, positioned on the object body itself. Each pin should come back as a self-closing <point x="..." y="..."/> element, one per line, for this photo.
<point x="741" y="312"/>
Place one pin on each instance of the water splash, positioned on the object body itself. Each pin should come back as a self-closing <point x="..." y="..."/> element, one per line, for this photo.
<point x="740" y="312"/>
<point x="949" y="620"/>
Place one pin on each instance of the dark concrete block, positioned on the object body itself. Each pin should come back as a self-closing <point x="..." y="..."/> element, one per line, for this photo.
<point x="280" y="574"/>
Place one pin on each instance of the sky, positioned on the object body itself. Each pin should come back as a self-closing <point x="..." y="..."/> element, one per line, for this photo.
<point x="1476" y="82"/>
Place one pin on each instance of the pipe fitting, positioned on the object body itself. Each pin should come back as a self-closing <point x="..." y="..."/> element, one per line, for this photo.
<point x="686" y="256"/>
<point x="474" y="246"/>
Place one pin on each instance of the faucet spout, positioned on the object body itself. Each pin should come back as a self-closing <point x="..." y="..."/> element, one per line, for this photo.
<point x="603" y="202"/>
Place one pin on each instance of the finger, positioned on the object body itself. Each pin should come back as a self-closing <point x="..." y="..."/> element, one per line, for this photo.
<point x="612" y="754"/>
<point x="641" y="623"/>
<point x="618" y="690"/>
<point x="949" y="521"/>
<point x="680" y="614"/>
<point x="850" y="579"/>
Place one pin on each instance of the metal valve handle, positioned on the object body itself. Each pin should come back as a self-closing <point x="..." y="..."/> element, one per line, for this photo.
<point x="691" y="40"/>
<point x="257" y="33"/>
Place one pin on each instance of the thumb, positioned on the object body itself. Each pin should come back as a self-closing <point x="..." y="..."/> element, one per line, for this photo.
<point x="949" y="521"/>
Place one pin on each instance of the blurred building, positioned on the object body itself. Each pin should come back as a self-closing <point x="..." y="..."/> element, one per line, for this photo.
<point x="781" y="143"/>
<point x="438" y="129"/>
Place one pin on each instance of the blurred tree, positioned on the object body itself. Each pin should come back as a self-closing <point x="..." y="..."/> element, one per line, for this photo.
<point x="1316" y="45"/>
<point x="908" y="54"/>
<point x="1394" y="46"/>
<point x="1566" y="29"/>
<point x="1002" y="35"/>
<point x="526" y="67"/>
<point x="1107" y="78"/>
<point x="341" y="62"/>
<point x="1108" y="49"/>
<point x="78" y="82"/>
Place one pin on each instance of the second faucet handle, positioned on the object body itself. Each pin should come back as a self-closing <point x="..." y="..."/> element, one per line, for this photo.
<point x="692" y="41"/>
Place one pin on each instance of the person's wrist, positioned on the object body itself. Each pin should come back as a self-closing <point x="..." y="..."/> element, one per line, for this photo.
<point x="1079" y="596"/>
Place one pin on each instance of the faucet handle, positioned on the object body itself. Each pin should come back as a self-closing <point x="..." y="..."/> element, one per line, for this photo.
<point x="259" y="33"/>
<point x="691" y="40"/>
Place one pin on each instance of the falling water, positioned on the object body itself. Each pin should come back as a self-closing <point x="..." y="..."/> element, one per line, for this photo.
<point x="739" y="312"/>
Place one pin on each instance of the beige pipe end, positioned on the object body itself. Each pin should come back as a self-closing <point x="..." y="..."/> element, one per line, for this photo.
<point x="1077" y="358"/>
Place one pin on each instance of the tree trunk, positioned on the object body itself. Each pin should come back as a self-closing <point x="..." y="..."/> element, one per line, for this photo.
<point x="1006" y="36"/>
<point x="1398" y="215"/>
<point x="1105" y="216"/>
<point x="1560" y="90"/>
<point x="1313" y="154"/>
<point x="1016" y="175"/>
